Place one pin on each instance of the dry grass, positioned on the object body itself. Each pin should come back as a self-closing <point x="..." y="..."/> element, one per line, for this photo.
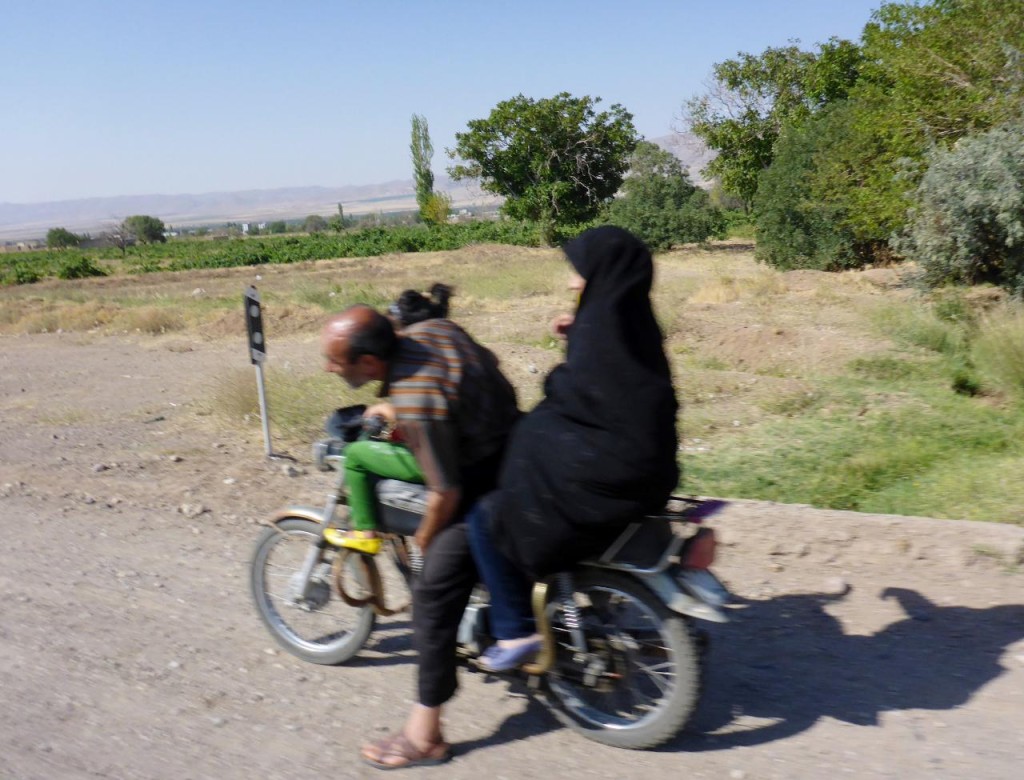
<point x="760" y="286"/>
<point x="152" y="320"/>
<point x="720" y="310"/>
<point x="295" y="399"/>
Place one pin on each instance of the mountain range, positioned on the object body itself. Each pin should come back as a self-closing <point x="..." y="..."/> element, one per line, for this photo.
<point x="25" y="221"/>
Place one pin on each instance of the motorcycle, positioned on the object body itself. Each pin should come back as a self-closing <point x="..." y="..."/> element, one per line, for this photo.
<point x="621" y="657"/>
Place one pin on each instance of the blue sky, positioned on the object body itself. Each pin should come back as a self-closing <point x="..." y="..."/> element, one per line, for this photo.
<point x="128" y="98"/>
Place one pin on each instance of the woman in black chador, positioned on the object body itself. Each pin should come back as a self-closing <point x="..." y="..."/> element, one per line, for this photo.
<point x="596" y="453"/>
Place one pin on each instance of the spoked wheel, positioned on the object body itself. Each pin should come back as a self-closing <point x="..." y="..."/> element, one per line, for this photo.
<point x="639" y="680"/>
<point x="319" y="628"/>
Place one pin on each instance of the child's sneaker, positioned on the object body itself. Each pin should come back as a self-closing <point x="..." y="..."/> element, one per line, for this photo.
<point x="362" y="541"/>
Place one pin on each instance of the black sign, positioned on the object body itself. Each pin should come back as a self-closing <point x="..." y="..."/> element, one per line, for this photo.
<point x="254" y="325"/>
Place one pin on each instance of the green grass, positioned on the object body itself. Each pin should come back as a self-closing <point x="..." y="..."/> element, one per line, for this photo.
<point x="998" y="350"/>
<point x="921" y="326"/>
<point x="974" y="486"/>
<point x="877" y="446"/>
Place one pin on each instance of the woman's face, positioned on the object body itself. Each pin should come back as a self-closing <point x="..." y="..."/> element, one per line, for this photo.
<point x="576" y="283"/>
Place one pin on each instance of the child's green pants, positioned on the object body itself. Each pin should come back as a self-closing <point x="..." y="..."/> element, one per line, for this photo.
<point x="367" y="459"/>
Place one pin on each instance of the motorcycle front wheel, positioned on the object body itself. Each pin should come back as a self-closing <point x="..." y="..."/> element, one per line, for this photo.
<point x="320" y="627"/>
<point x="639" y="680"/>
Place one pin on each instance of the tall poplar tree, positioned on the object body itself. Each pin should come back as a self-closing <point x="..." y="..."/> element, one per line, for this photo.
<point x="422" y="152"/>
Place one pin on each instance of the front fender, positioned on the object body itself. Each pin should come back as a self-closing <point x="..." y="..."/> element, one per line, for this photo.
<point x="304" y="512"/>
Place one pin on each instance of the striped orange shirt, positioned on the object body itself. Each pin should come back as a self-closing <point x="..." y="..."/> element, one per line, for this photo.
<point x="453" y="405"/>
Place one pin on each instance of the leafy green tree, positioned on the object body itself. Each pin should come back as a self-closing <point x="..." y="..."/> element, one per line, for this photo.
<point x="660" y="205"/>
<point x="556" y="160"/>
<point x="794" y="228"/>
<point x="754" y="96"/>
<point x="946" y="68"/>
<point x="314" y="223"/>
<point x="968" y="224"/>
<point x="61" y="238"/>
<point x="932" y="73"/>
<point x="145" y="229"/>
<point x="422" y="151"/>
<point x="277" y="226"/>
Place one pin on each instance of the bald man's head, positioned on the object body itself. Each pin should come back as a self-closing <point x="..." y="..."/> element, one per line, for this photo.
<point x="357" y="344"/>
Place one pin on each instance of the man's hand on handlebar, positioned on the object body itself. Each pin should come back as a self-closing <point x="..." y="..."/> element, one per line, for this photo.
<point x="384" y="410"/>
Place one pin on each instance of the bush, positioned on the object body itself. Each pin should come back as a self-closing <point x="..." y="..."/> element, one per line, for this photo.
<point x="80" y="267"/>
<point x="968" y="222"/>
<point x="23" y="274"/>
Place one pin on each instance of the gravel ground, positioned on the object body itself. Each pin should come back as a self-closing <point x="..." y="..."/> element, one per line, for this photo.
<point x="861" y="646"/>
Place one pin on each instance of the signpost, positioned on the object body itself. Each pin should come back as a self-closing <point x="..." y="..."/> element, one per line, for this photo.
<point x="258" y="354"/>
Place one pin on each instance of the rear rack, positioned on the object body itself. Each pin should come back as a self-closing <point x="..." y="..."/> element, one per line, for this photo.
<point x="684" y="509"/>
<point x="645" y="547"/>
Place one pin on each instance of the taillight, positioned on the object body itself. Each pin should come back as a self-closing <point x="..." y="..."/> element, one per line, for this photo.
<point x="701" y="510"/>
<point x="699" y="552"/>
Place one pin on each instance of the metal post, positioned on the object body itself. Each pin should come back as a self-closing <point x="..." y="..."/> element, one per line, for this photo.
<point x="258" y="354"/>
<point x="264" y="414"/>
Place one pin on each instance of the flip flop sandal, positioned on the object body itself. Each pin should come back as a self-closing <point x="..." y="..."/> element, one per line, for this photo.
<point x="399" y="746"/>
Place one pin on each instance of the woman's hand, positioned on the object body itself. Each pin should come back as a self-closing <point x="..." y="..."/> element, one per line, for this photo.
<point x="560" y="325"/>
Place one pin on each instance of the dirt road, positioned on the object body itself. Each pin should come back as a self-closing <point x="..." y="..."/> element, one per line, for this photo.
<point x="129" y="647"/>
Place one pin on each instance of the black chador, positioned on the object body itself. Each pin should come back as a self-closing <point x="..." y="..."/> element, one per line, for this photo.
<point x="600" y="449"/>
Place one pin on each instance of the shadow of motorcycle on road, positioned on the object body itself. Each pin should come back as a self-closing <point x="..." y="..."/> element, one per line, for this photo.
<point x="785" y="663"/>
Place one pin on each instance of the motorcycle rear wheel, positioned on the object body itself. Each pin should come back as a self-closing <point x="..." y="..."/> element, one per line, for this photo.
<point x="639" y="681"/>
<point x="321" y="629"/>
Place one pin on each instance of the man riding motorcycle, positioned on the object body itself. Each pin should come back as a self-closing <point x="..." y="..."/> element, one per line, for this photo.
<point x="455" y="410"/>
